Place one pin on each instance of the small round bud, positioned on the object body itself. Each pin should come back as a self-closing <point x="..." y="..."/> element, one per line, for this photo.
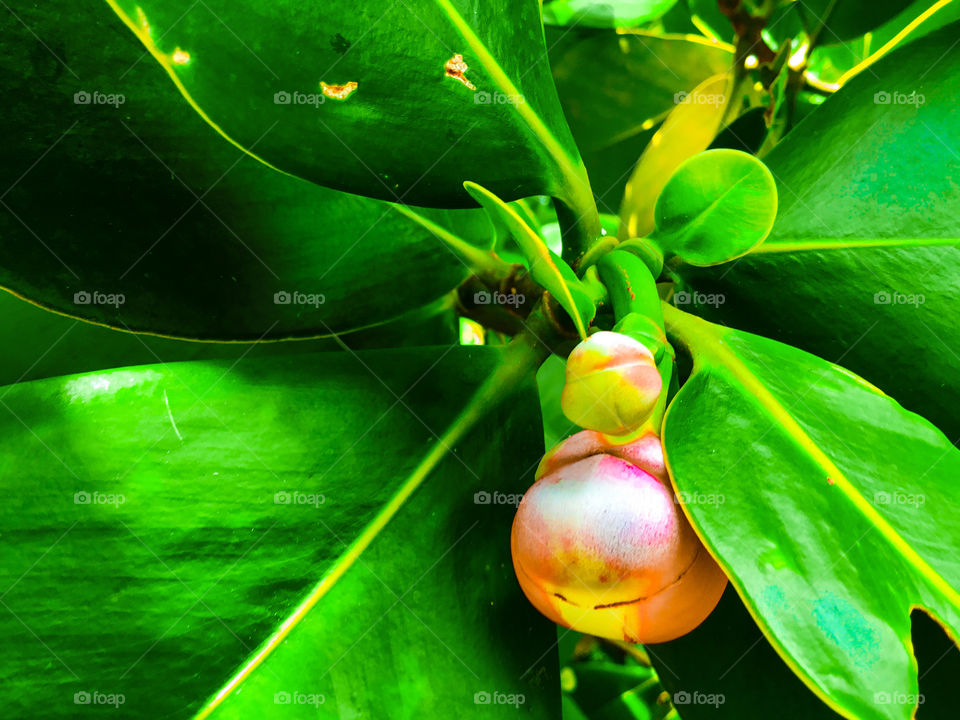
<point x="612" y="384"/>
<point x="601" y="545"/>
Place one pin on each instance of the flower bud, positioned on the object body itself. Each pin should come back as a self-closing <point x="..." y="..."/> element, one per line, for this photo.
<point x="612" y="384"/>
<point x="600" y="544"/>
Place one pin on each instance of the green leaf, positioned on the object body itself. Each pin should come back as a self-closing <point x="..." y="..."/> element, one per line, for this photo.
<point x="604" y="13"/>
<point x="597" y="75"/>
<point x="390" y="101"/>
<point x="163" y="597"/>
<point x="841" y="19"/>
<point x="545" y="266"/>
<point x="861" y="265"/>
<point x="837" y="511"/>
<point x="142" y="200"/>
<point x="716" y="206"/>
<point x="727" y="654"/>
<point x="48" y="344"/>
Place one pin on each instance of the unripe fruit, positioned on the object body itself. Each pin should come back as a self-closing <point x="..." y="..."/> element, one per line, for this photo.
<point x="612" y="384"/>
<point x="600" y="545"/>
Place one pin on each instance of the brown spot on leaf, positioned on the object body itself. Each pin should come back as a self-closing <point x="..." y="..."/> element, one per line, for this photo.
<point x="338" y="92"/>
<point x="456" y="68"/>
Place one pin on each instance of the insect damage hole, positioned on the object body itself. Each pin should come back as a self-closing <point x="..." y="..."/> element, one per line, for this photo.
<point x="455" y="68"/>
<point x="338" y="92"/>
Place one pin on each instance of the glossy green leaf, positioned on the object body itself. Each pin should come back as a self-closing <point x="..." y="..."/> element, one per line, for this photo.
<point x="604" y="13"/>
<point x="597" y="76"/>
<point x="48" y="344"/>
<point x="717" y="206"/>
<point x="841" y="19"/>
<point x="161" y="522"/>
<point x="861" y="266"/>
<point x="837" y="62"/>
<point x="388" y="101"/>
<point x="141" y="200"/>
<point x="832" y="509"/>
<point x="546" y="267"/>
<point x="728" y="657"/>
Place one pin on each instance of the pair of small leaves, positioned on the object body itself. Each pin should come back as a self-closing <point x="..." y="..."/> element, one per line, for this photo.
<point x="546" y="267"/>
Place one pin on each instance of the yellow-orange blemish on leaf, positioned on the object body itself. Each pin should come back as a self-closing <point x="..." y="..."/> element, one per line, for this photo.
<point x="338" y="92"/>
<point x="180" y="57"/>
<point x="456" y="68"/>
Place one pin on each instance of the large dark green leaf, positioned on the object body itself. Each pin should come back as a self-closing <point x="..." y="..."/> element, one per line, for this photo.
<point x="436" y="91"/>
<point x="41" y="344"/>
<point x="143" y="200"/>
<point x="615" y="88"/>
<point x="861" y="265"/>
<point x="832" y="509"/>
<point x="841" y="19"/>
<point x="163" y="597"/>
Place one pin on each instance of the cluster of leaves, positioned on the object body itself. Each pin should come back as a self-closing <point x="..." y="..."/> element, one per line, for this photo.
<point x="241" y="528"/>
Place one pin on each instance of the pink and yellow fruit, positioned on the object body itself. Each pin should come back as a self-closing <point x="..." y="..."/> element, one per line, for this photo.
<point x="601" y="546"/>
<point x="612" y="384"/>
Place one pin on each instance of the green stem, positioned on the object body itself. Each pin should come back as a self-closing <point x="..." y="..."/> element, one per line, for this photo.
<point x="579" y="221"/>
<point x="632" y="287"/>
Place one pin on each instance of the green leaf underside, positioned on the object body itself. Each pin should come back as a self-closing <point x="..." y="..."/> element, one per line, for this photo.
<point x="864" y="248"/>
<point x="408" y="128"/>
<point x="715" y="207"/>
<point x="545" y="267"/>
<point x="163" y="597"/>
<point x="143" y="200"/>
<point x="839" y="514"/>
